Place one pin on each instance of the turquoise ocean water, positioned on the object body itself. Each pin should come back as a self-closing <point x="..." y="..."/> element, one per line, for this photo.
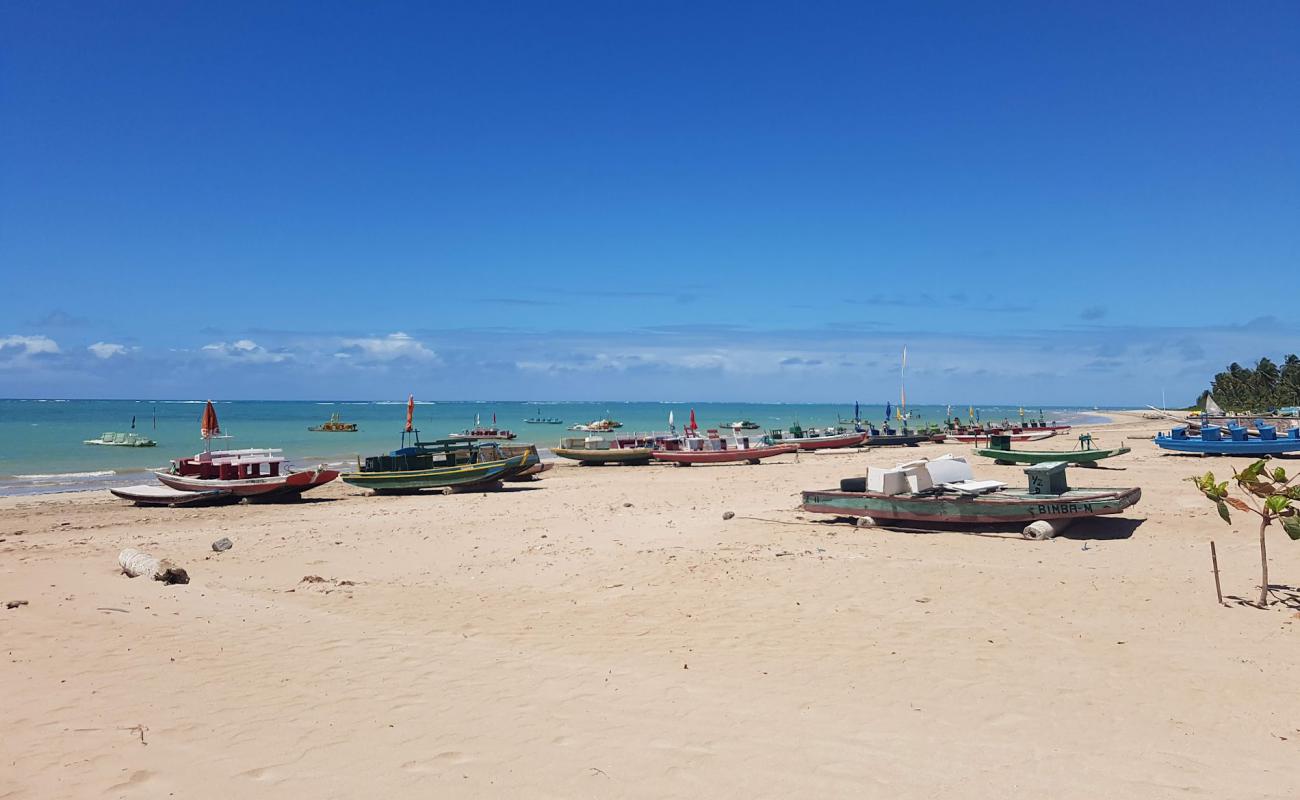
<point x="41" y="446"/>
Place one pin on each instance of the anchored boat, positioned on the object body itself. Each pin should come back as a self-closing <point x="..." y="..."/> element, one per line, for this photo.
<point x="334" y="425"/>
<point x="112" y="439"/>
<point x="1086" y="453"/>
<point x="943" y="490"/>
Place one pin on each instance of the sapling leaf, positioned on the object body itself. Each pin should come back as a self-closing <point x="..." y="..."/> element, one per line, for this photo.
<point x="1240" y="505"/>
<point x="1276" y="504"/>
<point x="1291" y="525"/>
<point x="1223" y="511"/>
<point x="1279" y="475"/>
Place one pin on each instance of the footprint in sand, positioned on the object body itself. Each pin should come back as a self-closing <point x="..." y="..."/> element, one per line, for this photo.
<point x="438" y="763"/>
<point x="138" y="778"/>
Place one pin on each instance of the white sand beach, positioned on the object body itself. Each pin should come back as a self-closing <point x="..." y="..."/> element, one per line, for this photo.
<point x="604" y="632"/>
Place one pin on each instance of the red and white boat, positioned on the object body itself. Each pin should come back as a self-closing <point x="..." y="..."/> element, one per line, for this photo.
<point x="243" y="473"/>
<point x="256" y="472"/>
<point x="481" y="432"/>
<point x="1023" y="436"/>
<point x="713" y="449"/>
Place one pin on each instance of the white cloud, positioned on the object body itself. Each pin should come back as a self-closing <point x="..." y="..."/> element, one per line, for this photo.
<point x="108" y="349"/>
<point x="392" y="347"/>
<point x="24" y="346"/>
<point x="245" y="351"/>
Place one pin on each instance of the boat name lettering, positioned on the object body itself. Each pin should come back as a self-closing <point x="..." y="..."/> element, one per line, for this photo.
<point x="1064" y="508"/>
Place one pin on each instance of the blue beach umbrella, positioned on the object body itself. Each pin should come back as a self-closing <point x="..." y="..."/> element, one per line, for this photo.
<point x="888" y="409"/>
<point x="857" y="412"/>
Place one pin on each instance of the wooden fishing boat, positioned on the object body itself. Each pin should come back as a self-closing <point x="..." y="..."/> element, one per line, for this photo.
<point x="598" y="426"/>
<point x="593" y="450"/>
<point x="114" y="439"/>
<point x="334" y="425"/>
<point x="483" y="433"/>
<point x="443" y="464"/>
<point x="743" y="425"/>
<point x="826" y="439"/>
<point x="913" y="493"/>
<point x="892" y="438"/>
<point x="1086" y="454"/>
<point x="1239" y="442"/>
<point x="976" y="438"/>
<point x="529" y="471"/>
<point x="255" y="472"/>
<point x="713" y="449"/>
<point x="150" y="495"/>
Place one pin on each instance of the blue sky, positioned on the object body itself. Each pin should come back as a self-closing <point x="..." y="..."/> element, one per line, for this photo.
<point x="1045" y="203"/>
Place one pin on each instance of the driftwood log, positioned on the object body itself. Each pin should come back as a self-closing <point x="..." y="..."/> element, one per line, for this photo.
<point x="134" y="564"/>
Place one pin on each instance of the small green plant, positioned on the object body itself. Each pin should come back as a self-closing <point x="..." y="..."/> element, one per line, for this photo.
<point x="1268" y="494"/>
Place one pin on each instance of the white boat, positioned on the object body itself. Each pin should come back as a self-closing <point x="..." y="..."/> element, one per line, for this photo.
<point x="111" y="439"/>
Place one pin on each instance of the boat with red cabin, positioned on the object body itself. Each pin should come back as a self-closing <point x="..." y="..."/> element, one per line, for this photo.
<point x="713" y="449"/>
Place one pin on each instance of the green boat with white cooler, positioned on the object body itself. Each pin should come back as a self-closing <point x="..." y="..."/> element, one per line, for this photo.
<point x="446" y="464"/>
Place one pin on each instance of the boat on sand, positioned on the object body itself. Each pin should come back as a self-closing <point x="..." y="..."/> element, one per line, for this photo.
<point x="1086" y="454"/>
<point x="943" y="491"/>
<point x="713" y="449"/>
<point x="593" y="450"/>
<point x="1238" y="441"/>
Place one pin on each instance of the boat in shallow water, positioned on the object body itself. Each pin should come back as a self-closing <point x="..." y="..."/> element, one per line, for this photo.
<point x="130" y="439"/>
<point x="334" y="425"/>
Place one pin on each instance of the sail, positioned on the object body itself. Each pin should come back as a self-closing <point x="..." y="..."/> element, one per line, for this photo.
<point x="410" y="414"/>
<point x="670" y="418"/>
<point x="1212" y="408"/>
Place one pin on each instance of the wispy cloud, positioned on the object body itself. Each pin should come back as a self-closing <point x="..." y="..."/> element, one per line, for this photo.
<point x="245" y="351"/>
<point x="393" y="347"/>
<point x="107" y="350"/>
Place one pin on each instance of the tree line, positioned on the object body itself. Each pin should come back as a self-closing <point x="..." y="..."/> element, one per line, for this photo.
<point x="1266" y="386"/>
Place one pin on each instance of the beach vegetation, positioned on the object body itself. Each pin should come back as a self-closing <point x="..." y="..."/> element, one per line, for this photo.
<point x="1266" y="493"/>
<point x="1265" y="386"/>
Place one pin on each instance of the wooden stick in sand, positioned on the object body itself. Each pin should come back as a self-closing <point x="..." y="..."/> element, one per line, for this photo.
<point x="1214" y="559"/>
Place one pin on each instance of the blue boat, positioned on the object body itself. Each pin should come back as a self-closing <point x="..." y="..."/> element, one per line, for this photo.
<point x="1237" y="442"/>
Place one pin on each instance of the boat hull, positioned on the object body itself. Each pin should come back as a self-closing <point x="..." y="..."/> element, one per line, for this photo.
<point x="1004" y="506"/>
<point x="618" y="455"/>
<point x="273" y="486"/>
<point x="976" y="438"/>
<point x="1227" y="447"/>
<point x="827" y="442"/>
<point x="167" y="496"/>
<point x="1078" y="457"/>
<point x="897" y="440"/>
<point x="439" y="477"/>
<point x="729" y="456"/>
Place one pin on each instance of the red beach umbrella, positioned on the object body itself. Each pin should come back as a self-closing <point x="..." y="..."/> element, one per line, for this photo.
<point x="693" y="426"/>
<point x="410" y="413"/>
<point x="209" y="427"/>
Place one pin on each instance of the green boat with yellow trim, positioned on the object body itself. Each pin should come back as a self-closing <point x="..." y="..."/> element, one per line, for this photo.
<point x="446" y="464"/>
<point x="1086" y="454"/>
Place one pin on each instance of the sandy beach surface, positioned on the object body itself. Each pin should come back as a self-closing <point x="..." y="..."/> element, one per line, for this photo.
<point x="604" y="632"/>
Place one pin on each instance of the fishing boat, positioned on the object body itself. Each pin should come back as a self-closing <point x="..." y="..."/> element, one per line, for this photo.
<point x="445" y="464"/>
<point x="334" y="425"/>
<point x="540" y="420"/>
<point x="261" y="473"/>
<point x="713" y="449"/>
<point x="529" y="472"/>
<point x="593" y="450"/>
<point x="743" y="425"/>
<point x="1085" y="454"/>
<point x="150" y="495"/>
<point x="889" y="437"/>
<point x="976" y="437"/>
<point x="817" y="439"/>
<point x="481" y="432"/>
<point x="113" y="439"/>
<point x="1238" y="442"/>
<point x="944" y="491"/>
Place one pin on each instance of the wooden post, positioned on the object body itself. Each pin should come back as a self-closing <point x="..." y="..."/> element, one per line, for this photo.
<point x="1214" y="559"/>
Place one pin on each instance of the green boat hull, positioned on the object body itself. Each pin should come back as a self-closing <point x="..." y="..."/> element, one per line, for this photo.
<point x="1081" y="458"/>
<point x="1005" y="506"/>
<point x="617" y="455"/>
<point x="440" y="477"/>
